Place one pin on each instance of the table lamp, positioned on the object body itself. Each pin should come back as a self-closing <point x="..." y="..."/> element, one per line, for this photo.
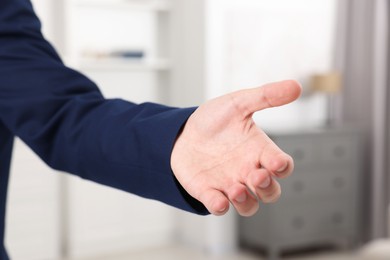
<point x="330" y="84"/>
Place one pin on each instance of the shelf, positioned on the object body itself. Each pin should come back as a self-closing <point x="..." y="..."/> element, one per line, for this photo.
<point x="119" y="64"/>
<point x="130" y="5"/>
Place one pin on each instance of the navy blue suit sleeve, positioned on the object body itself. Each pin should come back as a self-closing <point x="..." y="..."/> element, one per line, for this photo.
<point x="63" y="117"/>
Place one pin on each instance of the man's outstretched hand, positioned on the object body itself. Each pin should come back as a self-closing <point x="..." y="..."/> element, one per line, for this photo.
<point x="222" y="156"/>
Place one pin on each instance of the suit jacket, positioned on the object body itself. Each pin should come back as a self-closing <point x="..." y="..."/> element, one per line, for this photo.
<point x="62" y="116"/>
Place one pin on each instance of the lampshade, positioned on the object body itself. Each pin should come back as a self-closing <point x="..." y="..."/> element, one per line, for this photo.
<point x="327" y="83"/>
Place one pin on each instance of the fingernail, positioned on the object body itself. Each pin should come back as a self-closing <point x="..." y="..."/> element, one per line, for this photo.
<point x="265" y="183"/>
<point x="222" y="210"/>
<point x="241" y="198"/>
<point x="283" y="168"/>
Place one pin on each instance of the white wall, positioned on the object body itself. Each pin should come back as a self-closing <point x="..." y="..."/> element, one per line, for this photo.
<point x="32" y="218"/>
<point x="51" y="21"/>
<point x="43" y="9"/>
<point x="252" y="42"/>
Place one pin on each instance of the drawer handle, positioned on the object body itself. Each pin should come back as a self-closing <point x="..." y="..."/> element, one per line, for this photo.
<point x="298" y="186"/>
<point x="339" y="182"/>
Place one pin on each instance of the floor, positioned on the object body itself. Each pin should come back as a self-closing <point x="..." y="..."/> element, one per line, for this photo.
<point x="176" y="252"/>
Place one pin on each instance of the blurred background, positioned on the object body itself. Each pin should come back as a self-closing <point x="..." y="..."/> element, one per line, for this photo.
<point x="183" y="52"/>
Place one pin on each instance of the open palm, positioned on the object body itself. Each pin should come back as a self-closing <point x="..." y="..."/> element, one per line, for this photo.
<point x="221" y="156"/>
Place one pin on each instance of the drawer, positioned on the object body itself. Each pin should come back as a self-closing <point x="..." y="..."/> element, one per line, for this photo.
<point x="319" y="183"/>
<point x="325" y="149"/>
<point x="340" y="149"/>
<point x="313" y="220"/>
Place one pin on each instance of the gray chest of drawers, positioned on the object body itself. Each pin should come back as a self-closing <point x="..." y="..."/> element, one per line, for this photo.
<point x="320" y="203"/>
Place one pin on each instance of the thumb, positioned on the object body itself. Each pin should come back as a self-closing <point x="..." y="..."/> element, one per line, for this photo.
<point x="269" y="95"/>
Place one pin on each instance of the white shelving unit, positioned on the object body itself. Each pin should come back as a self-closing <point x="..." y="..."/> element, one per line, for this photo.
<point x="101" y="220"/>
<point x="97" y="28"/>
